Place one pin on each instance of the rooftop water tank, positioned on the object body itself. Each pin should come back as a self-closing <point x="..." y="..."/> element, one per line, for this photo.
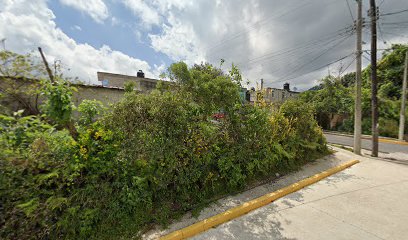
<point x="140" y="74"/>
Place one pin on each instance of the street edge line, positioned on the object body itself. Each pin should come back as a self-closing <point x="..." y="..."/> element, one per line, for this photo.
<point x="366" y="137"/>
<point x="235" y="212"/>
<point x="391" y="141"/>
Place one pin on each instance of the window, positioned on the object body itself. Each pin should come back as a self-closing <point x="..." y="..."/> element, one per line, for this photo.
<point x="105" y="82"/>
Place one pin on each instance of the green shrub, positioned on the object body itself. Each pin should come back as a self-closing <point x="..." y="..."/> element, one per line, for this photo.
<point x="89" y="110"/>
<point x="35" y="186"/>
<point x="388" y="127"/>
<point x="17" y="131"/>
<point x="148" y="160"/>
<point x="58" y="105"/>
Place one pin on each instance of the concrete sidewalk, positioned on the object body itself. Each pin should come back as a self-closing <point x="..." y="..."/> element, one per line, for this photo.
<point x="367" y="201"/>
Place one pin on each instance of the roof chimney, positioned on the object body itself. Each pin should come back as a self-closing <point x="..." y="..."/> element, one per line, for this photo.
<point x="140" y="74"/>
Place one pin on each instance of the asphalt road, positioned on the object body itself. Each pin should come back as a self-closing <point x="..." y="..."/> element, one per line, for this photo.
<point x="366" y="144"/>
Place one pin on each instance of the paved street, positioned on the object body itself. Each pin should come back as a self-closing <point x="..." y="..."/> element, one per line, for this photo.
<point x="366" y="144"/>
<point x="366" y="201"/>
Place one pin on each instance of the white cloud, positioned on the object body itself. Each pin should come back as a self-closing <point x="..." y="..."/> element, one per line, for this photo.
<point x="96" y="9"/>
<point x="114" y="21"/>
<point x="76" y="27"/>
<point x="26" y="28"/>
<point x="240" y="31"/>
<point x="143" y="11"/>
<point x="177" y="41"/>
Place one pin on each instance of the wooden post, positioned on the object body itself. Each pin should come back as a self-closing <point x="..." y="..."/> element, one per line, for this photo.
<point x="47" y="67"/>
<point x="374" y="100"/>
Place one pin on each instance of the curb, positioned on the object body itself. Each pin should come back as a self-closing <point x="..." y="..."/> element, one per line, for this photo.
<point x="391" y="141"/>
<point x="368" y="137"/>
<point x="235" y="212"/>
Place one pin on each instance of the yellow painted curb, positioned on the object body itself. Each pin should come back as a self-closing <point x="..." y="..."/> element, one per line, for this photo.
<point x="252" y="205"/>
<point x="392" y="141"/>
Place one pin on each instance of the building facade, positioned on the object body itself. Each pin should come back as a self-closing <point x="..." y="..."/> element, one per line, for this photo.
<point x="272" y="95"/>
<point x="110" y="91"/>
<point x="114" y="80"/>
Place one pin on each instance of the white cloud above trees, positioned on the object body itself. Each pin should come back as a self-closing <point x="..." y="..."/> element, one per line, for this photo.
<point x="254" y="34"/>
<point x="258" y="35"/>
<point x="26" y="28"/>
<point x="96" y="9"/>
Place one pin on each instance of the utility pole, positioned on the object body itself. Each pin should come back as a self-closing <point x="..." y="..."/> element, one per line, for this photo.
<point x="403" y="100"/>
<point x="262" y="83"/>
<point x="357" y="110"/>
<point x="374" y="100"/>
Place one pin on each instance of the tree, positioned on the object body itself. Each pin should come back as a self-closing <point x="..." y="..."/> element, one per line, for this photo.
<point x="17" y="81"/>
<point x="333" y="98"/>
<point x="23" y="80"/>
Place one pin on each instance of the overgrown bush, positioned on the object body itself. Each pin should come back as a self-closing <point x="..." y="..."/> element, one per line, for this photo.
<point x="89" y="110"/>
<point x="149" y="159"/>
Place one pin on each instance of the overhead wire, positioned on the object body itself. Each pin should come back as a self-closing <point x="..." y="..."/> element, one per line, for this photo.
<point x="316" y="69"/>
<point x="394" y="23"/>
<point x="256" y="25"/>
<point x="290" y="62"/>
<point x="288" y="77"/>
<point x="345" y="69"/>
<point x="349" y="8"/>
<point x="308" y="45"/>
<point x="399" y="24"/>
<point x="393" y="13"/>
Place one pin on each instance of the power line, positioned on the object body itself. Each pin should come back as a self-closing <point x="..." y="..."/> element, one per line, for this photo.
<point x="308" y="53"/>
<point x="260" y="23"/>
<point x="349" y="8"/>
<point x="396" y="34"/>
<point x="316" y="69"/>
<point x="306" y="46"/>
<point x="314" y="59"/>
<point x="381" y="34"/>
<point x="367" y="58"/>
<point x="345" y="69"/>
<point x="393" y="13"/>
<point x="253" y="26"/>
<point x="394" y="23"/>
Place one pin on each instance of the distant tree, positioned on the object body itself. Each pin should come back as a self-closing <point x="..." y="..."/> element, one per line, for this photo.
<point x="333" y="98"/>
<point x="391" y="70"/>
<point x="23" y="79"/>
<point x="348" y="79"/>
<point x="17" y="85"/>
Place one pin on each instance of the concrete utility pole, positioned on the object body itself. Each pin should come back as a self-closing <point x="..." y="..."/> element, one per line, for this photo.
<point x="262" y="83"/>
<point x="374" y="100"/>
<point x="357" y="110"/>
<point x="403" y="100"/>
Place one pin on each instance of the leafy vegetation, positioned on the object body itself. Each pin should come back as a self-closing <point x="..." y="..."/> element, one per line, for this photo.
<point x="334" y="96"/>
<point x="148" y="159"/>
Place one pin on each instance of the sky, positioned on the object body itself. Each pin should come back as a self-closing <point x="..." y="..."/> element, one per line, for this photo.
<point x="280" y="41"/>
